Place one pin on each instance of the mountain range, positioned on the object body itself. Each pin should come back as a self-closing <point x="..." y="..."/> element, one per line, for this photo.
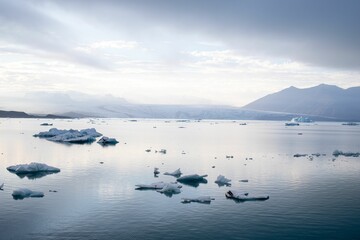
<point x="323" y="100"/>
<point x="320" y="103"/>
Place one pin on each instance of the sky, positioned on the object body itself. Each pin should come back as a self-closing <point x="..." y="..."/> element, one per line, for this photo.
<point x="177" y="52"/>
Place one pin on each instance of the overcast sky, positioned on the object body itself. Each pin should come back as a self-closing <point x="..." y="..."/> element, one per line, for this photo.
<point x="178" y="52"/>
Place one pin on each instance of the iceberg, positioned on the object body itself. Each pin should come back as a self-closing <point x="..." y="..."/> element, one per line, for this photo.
<point x="300" y="155"/>
<point x="292" y="124"/>
<point x="33" y="170"/>
<point x="170" y="188"/>
<point x="107" y="141"/>
<point x="192" y="180"/>
<point x="22" y="193"/>
<point x="46" y="124"/>
<point x="337" y="153"/>
<point x="203" y="199"/>
<point x="176" y="173"/>
<point x="156" y="186"/>
<point x="70" y="136"/>
<point x="221" y="181"/>
<point x="244" y="196"/>
<point x="192" y="177"/>
<point x="156" y="171"/>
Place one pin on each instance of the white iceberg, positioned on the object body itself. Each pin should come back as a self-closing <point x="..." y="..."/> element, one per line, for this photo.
<point x="157" y="185"/>
<point x="203" y="199"/>
<point x="221" y="180"/>
<point x="70" y="136"/>
<point x="32" y="168"/>
<point x="107" y="141"/>
<point x="192" y="177"/>
<point x="22" y="193"/>
<point x="176" y="173"/>
<point x="244" y="196"/>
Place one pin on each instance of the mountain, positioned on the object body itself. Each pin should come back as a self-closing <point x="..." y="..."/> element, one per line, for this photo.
<point x="15" y="114"/>
<point x="323" y="100"/>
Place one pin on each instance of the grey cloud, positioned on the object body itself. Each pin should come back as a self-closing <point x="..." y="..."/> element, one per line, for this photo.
<point x="321" y="32"/>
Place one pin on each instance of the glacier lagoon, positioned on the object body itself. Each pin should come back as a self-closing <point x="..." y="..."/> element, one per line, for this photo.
<point x="94" y="196"/>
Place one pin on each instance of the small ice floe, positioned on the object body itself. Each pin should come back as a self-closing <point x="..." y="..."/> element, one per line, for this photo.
<point x="33" y="170"/>
<point x="244" y="196"/>
<point x="300" y="155"/>
<point x="193" y="180"/>
<point x="32" y="167"/>
<point x="46" y="124"/>
<point x="2" y="187"/>
<point x="177" y="173"/>
<point x="154" y="186"/>
<point x="22" y="193"/>
<point x="70" y="136"/>
<point x="291" y="124"/>
<point x="163" y="151"/>
<point x="203" y="199"/>
<point x="223" y="181"/>
<point x="156" y="171"/>
<point x="170" y="188"/>
<point x="107" y="141"/>
<point x="337" y="153"/>
<point x="243" y="180"/>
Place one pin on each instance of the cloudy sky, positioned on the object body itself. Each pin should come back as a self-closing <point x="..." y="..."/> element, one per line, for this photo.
<point x="178" y="52"/>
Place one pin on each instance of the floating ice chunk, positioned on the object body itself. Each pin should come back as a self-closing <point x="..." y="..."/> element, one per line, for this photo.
<point x="221" y="180"/>
<point x="170" y="188"/>
<point x="46" y="124"/>
<point x="193" y="180"/>
<point x="176" y="173"/>
<point x="337" y="153"/>
<point x="107" y="141"/>
<point x="70" y="136"/>
<point x="32" y="168"/>
<point x="157" y="185"/>
<point x="163" y="151"/>
<point x="244" y="196"/>
<point x="192" y="177"/>
<point x="292" y="124"/>
<point x="300" y="155"/>
<point x="156" y="171"/>
<point x="203" y="199"/>
<point x="22" y="193"/>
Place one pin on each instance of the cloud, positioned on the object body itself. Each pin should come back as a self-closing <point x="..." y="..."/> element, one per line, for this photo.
<point x="322" y="32"/>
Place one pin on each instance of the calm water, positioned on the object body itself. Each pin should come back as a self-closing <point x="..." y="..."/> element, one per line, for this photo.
<point x="316" y="199"/>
